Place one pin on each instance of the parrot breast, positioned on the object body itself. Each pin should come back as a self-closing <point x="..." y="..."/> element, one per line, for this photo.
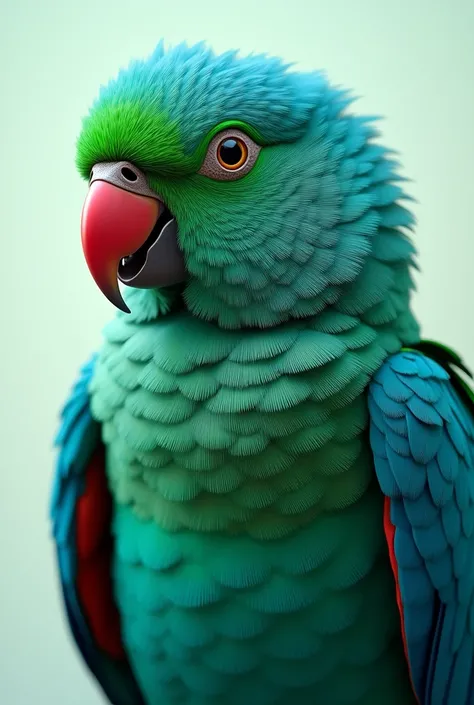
<point x="250" y="560"/>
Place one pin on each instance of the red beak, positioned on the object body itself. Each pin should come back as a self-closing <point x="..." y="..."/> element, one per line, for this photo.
<point x="114" y="224"/>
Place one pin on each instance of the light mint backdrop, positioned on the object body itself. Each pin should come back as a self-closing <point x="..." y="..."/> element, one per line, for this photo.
<point x="410" y="60"/>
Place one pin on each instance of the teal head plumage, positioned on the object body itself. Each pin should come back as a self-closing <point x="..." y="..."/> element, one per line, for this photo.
<point x="224" y="426"/>
<point x="320" y="204"/>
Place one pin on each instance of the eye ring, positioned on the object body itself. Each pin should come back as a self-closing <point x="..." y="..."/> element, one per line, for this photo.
<point x="237" y="153"/>
<point x="237" y="163"/>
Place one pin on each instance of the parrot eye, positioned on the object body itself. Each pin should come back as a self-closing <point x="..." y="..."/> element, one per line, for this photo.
<point x="230" y="155"/>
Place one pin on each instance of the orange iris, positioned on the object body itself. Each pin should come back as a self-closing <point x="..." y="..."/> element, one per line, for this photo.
<point x="232" y="153"/>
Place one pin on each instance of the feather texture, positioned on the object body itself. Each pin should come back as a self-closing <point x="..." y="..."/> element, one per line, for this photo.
<point x="243" y="456"/>
<point x="422" y="436"/>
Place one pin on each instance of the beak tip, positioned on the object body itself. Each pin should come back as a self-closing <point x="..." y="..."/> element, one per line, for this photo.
<point x="116" y="299"/>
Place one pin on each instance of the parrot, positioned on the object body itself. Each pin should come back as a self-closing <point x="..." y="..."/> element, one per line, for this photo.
<point x="264" y="483"/>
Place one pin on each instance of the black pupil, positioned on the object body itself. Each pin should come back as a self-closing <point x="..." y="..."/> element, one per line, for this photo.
<point x="230" y="152"/>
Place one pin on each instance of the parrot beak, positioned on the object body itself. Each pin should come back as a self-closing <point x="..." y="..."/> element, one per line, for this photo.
<point x="128" y="234"/>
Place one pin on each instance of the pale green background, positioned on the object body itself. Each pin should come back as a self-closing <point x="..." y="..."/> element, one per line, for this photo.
<point x="411" y="60"/>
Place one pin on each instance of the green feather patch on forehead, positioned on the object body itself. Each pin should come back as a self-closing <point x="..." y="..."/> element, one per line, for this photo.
<point x="158" y="111"/>
<point x="128" y="132"/>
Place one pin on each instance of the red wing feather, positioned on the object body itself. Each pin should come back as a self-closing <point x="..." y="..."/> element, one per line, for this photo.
<point x="94" y="584"/>
<point x="390" y="536"/>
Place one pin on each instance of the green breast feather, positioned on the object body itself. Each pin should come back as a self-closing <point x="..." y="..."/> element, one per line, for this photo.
<point x="223" y="449"/>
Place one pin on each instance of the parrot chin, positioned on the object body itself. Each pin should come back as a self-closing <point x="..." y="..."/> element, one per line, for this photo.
<point x="128" y="233"/>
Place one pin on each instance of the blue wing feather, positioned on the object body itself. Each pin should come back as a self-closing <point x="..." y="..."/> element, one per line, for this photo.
<point x="78" y="437"/>
<point x="422" y="437"/>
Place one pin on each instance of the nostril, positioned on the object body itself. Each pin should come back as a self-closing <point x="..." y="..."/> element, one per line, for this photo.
<point x="128" y="174"/>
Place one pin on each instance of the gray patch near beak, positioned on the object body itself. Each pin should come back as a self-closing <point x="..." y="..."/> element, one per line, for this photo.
<point x="158" y="264"/>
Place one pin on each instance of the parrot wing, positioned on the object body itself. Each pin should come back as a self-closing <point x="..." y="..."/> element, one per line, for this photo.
<point x="422" y="438"/>
<point x="81" y="512"/>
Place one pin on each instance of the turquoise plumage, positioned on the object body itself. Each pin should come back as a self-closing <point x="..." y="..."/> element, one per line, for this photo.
<point x="263" y="490"/>
<point x="422" y="436"/>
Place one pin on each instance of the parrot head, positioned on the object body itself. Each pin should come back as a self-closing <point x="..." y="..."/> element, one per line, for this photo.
<point x="240" y="186"/>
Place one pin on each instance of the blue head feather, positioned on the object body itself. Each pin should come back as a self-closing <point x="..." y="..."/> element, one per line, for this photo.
<point x="198" y="89"/>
